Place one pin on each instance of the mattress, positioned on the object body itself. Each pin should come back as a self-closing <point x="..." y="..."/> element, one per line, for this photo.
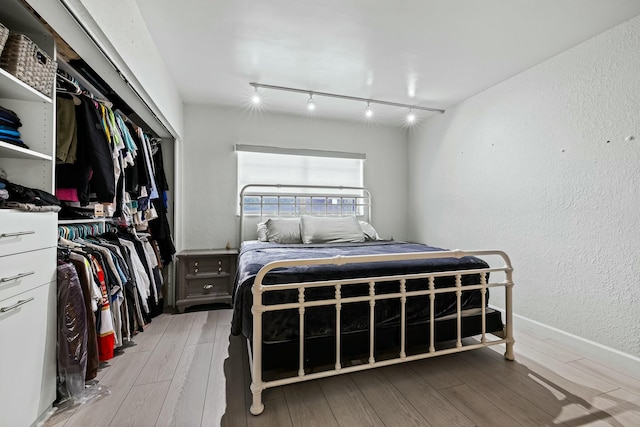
<point x="283" y="326"/>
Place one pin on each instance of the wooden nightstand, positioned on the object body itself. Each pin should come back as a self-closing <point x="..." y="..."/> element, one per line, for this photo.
<point x="205" y="276"/>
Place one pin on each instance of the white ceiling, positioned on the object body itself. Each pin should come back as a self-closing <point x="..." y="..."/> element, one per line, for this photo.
<point x="431" y="53"/>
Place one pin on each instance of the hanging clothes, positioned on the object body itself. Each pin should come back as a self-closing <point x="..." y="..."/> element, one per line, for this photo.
<point x="83" y="269"/>
<point x="159" y="228"/>
<point x="72" y="331"/>
<point x="93" y="170"/>
<point x="66" y="130"/>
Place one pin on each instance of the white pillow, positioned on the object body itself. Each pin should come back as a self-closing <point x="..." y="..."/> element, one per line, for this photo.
<point x="370" y="233"/>
<point x="330" y="229"/>
<point x="283" y="230"/>
<point x="262" y="232"/>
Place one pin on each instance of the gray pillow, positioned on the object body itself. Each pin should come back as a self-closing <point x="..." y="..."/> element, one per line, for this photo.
<point x="262" y="232"/>
<point x="283" y="230"/>
<point x="370" y="233"/>
<point x="342" y="229"/>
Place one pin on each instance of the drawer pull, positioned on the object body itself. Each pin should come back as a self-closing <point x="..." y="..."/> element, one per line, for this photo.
<point x="16" y="277"/>
<point x="195" y="270"/>
<point x="219" y="262"/>
<point x="16" y="305"/>
<point x="195" y="264"/>
<point x="219" y="270"/>
<point x="207" y="287"/>
<point x="16" y="234"/>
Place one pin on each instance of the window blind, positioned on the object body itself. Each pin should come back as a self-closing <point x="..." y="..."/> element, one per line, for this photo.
<point x="274" y="165"/>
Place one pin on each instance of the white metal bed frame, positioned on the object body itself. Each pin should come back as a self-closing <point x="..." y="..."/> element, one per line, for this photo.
<point x="258" y="308"/>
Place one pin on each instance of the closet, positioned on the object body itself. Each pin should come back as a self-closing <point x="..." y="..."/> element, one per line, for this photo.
<point x="29" y="241"/>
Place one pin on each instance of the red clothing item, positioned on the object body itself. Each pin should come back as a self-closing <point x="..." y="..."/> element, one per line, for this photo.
<point x="67" y="194"/>
<point x="106" y="334"/>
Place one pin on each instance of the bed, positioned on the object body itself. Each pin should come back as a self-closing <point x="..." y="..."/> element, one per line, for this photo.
<point x="318" y="293"/>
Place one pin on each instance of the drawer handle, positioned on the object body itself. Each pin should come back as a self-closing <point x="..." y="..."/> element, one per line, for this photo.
<point x="219" y="262"/>
<point x="16" y="305"/>
<point x="16" y="277"/>
<point x="219" y="270"/>
<point x="16" y="234"/>
<point x="195" y="263"/>
<point x="195" y="270"/>
<point x="207" y="287"/>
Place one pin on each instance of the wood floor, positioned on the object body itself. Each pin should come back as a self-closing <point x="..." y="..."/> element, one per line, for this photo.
<point x="186" y="370"/>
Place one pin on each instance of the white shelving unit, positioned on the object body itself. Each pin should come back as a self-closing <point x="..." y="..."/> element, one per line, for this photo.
<point x="14" y="88"/>
<point x="27" y="244"/>
<point x="32" y="167"/>
<point x="13" y="152"/>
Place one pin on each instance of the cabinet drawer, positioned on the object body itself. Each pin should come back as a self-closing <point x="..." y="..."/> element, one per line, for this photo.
<point x="28" y="359"/>
<point x="25" y="271"/>
<point x="208" y="286"/>
<point x="26" y="231"/>
<point x="212" y="264"/>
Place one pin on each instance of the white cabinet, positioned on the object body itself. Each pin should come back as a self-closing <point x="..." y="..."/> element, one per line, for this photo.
<point x="27" y="359"/>
<point x="27" y="245"/>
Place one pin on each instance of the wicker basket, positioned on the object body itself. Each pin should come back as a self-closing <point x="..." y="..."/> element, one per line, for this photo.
<point x="4" y="35"/>
<point x="25" y="60"/>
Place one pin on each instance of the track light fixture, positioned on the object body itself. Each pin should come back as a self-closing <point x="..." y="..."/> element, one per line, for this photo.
<point x="311" y="106"/>
<point x="256" y="96"/>
<point x="410" y="118"/>
<point x="368" y="112"/>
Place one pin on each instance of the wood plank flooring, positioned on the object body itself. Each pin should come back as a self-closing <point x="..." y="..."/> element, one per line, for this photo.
<point x="186" y="370"/>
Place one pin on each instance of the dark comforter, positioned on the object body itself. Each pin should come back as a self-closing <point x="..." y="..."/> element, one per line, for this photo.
<point x="320" y="321"/>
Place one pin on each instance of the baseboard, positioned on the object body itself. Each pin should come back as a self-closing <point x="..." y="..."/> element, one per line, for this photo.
<point x="44" y="417"/>
<point x="610" y="357"/>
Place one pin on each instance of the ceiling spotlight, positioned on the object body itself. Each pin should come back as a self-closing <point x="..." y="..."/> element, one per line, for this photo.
<point x="310" y="104"/>
<point x="368" y="112"/>
<point x="411" y="118"/>
<point x="256" y="96"/>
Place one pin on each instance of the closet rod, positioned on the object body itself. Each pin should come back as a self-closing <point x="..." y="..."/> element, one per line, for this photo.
<point x="84" y="83"/>
<point x="127" y="119"/>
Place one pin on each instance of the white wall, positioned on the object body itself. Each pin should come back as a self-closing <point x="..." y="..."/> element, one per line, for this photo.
<point x="209" y="166"/>
<point x="124" y="35"/>
<point x="539" y="166"/>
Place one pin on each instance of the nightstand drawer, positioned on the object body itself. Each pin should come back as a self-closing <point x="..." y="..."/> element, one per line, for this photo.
<point x="208" y="286"/>
<point x="216" y="264"/>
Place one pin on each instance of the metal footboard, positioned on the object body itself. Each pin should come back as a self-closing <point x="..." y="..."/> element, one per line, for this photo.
<point x="255" y="351"/>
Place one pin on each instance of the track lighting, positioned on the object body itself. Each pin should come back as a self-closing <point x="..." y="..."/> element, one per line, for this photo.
<point x="368" y="112"/>
<point x="256" y="96"/>
<point x="311" y="106"/>
<point x="411" y="118"/>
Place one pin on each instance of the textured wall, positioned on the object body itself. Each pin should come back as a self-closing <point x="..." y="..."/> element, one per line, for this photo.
<point x="208" y="170"/>
<point x="539" y="166"/>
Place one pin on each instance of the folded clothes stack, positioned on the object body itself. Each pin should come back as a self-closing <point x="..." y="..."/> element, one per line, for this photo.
<point x="9" y="124"/>
<point x="4" y="193"/>
<point x="28" y="199"/>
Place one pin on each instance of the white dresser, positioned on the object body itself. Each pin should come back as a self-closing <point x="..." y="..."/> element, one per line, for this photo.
<point x="27" y="315"/>
<point x="27" y="246"/>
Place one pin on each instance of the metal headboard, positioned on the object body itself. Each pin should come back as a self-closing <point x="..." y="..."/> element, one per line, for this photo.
<point x="263" y="201"/>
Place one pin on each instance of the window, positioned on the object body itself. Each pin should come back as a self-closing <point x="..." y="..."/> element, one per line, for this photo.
<point x="273" y="165"/>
